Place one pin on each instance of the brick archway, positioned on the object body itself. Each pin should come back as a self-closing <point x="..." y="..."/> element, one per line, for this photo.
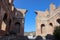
<point x="42" y="25"/>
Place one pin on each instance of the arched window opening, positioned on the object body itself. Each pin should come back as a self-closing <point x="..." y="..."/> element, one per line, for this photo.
<point x="50" y="24"/>
<point x="58" y="20"/>
<point x="42" y="25"/>
<point x="5" y="17"/>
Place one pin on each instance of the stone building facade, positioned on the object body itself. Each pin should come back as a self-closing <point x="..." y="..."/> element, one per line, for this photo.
<point x="11" y="18"/>
<point x="47" y="20"/>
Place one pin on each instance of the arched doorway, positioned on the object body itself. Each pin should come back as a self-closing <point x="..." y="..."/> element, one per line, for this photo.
<point x="3" y="26"/>
<point x="5" y="17"/>
<point x="16" y="28"/>
<point x="42" y="27"/>
<point x="17" y="25"/>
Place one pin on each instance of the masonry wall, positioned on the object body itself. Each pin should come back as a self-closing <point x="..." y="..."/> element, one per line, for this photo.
<point x="11" y="19"/>
<point x="47" y="21"/>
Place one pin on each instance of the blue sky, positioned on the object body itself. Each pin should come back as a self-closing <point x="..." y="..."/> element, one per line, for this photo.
<point x="31" y="6"/>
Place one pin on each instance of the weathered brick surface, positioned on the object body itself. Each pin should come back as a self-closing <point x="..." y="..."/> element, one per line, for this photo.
<point x="11" y="18"/>
<point x="49" y="20"/>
